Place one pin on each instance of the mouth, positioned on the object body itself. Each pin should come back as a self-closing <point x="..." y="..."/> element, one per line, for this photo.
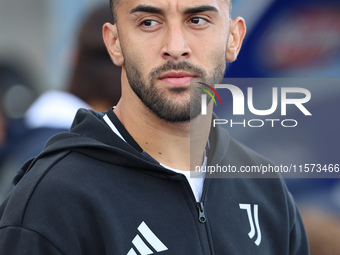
<point x="177" y="78"/>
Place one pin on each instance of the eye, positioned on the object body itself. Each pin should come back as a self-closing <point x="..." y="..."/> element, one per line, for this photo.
<point x="149" y="23"/>
<point x="198" y="21"/>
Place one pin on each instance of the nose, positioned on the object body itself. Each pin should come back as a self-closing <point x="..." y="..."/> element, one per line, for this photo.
<point x="176" y="46"/>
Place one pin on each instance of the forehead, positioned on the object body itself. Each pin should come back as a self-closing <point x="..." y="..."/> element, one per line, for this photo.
<point x="168" y="6"/>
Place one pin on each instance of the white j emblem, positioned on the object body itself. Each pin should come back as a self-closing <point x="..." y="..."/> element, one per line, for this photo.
<point x="252" y="232"/>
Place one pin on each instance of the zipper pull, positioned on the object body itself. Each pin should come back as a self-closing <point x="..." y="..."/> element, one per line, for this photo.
<point x="201" y="214"/>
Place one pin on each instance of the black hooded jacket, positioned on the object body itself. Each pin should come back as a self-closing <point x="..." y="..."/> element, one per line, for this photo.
<point x="89" y="192"/>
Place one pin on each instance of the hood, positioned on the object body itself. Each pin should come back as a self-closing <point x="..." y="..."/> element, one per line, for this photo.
<point x="91" y="136"/>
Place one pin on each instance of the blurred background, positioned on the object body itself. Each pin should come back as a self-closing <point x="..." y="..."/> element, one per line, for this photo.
<point x="285" y="39"/>
<point x="39" y="37"/>
<point x="297" y="40"/>
<point x="53" y="61"/>
<point x="296" y="43"/>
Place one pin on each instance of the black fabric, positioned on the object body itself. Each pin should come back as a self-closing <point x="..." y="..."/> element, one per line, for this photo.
<point x="128" y="138"/>
<point x="88" y="192"/>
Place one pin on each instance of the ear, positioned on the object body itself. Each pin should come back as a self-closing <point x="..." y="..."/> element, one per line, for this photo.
<point x="237" y="33"/>
<point x="112" y="42"/>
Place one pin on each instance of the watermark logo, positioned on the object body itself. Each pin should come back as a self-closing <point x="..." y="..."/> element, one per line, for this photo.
<point x="204" y="97"/>
<point x="300" y="97"/>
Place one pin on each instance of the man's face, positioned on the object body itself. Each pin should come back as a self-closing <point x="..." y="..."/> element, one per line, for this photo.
<point x="165" y="44"/>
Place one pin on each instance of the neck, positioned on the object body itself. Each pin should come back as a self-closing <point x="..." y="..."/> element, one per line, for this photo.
<point x="178" y="145"/>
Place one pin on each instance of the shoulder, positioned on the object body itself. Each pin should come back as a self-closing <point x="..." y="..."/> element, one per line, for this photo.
<point x="13" y="240"/>
<point x="48" y="199"/>
<point x="224" y="150"/>
<point x="239" y="153"/>
<point x="31" y="213"/>
<point x="27" y="182"/>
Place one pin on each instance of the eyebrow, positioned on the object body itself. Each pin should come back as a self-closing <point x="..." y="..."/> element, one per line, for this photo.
<point x="146" y="8"/>
<point x="202" y="8"/>
<point x="191" y="10"/>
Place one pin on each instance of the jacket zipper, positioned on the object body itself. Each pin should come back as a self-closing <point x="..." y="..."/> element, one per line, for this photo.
<point x="200" y="205"/>
<point x="201" y="214"/>
<point x="202" y="218"/>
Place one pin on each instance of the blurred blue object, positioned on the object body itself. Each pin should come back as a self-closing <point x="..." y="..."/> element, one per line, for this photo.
<point x="298" y="38"/>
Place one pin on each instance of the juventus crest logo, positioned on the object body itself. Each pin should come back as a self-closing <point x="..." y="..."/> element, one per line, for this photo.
<point x="253" y="218"/>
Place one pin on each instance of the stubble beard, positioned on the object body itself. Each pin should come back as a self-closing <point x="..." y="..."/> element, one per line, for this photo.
<point x="160" y="102"/>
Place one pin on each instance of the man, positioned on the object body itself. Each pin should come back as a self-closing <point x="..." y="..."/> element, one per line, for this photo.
<point x="116" y="183"/>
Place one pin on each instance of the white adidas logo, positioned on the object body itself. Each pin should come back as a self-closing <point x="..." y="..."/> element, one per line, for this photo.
<point x="150" y="237"/>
